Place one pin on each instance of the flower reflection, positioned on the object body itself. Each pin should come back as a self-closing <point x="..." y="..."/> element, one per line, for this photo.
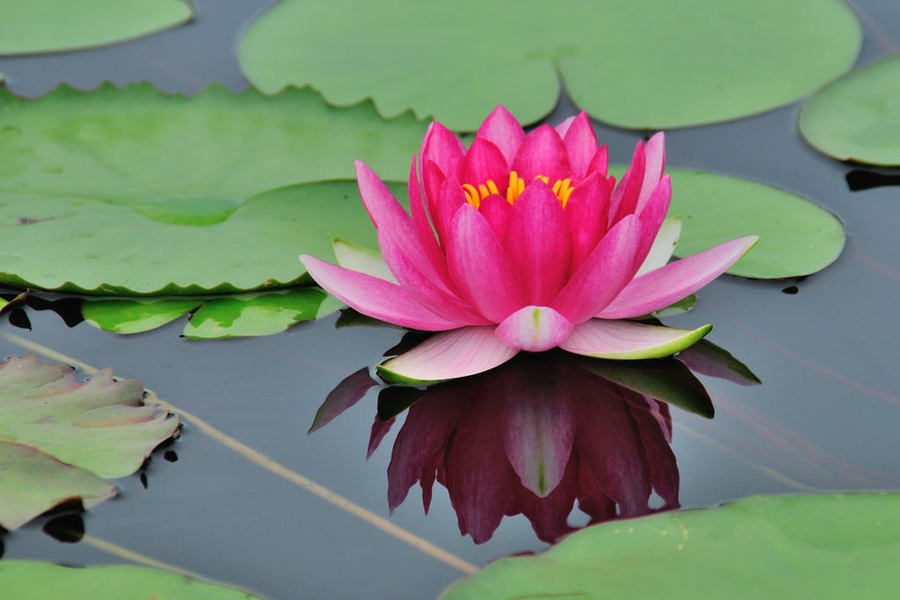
<point x="535" y="437"/>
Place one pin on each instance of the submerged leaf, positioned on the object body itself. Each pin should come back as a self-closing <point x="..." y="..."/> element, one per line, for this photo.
<point x="828" y="546"/>
<point x="456" y="61"/>
<point x="55" y="25"/>
<point x="33" y="580"/>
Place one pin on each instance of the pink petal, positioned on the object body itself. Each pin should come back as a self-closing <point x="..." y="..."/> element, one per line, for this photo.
<point x="448" y="355"/>
<point x="623" y="200"/>
<point x="608" y="268"/>
<point x="655" y="162"/>
<point x="534" y="329"/>
<point x="432" y="180"/>
<point x="443" y="148"/>
<point x="666" y="285"/>
<point x="581" y="145"/>
<point x="484" y="162"/>
<point x="542" y="153"/>
<point x="480" y="267"/>
<point x="503" y="130"/>
<point x="538" y="435"/>
<point x="375" y="297"/>
<point x="600" y="162"/>
<point x="586" y="212"/>
<point x="420" y="218"/>
<point x="538" y="242"/>
<point x="496" y="209"/>
<point x="445" y="204"/>
<point x="563" y="126"/>
<point x="663" y="246"/>
<point x="652" y="218"/>
<point x="629" y="340"/>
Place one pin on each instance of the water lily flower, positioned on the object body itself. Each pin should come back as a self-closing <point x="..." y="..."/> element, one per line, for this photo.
<point x="522" y="242"/>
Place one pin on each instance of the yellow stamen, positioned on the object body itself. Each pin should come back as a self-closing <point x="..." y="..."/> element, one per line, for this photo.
<point x="483" y="190"/>
<point x="562" y="189"/>
<point x="543" y="178"/>
<point x="492" y="186"/>
<point x="472" y="195"/>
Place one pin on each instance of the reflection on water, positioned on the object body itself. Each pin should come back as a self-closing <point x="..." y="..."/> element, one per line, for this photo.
<point x="540" y="435"/>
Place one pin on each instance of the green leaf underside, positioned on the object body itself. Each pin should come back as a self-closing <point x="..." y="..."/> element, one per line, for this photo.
<point x="107" y="249"/>
<point x="238" y="315"/>
<point x="100" y="425"/>
<point x="824" y="546"/>
<point x="180" y="177"/>
<point x="54" y="25"/>
<point x="34" y="580"/>
<point x="456" y="61"/>
<point x="32" y="482"/>
<point x="796" y="236"/>
<point x="857" y="117"/>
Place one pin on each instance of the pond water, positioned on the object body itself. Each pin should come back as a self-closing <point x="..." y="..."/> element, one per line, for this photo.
<point x="824" y="418"/>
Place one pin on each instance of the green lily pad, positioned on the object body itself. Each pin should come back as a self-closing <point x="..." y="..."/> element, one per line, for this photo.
<point x="138" y="180"/>
<point x="103" y="248"/>
<point x="236" y="315"/>
<point x="34" y="580"/>
<point x="827" y="546"/>
<point x="796" y="236"/>
<point x="32" y="482"/>
<point x="857" y="117"/>
<point x="100" y="425"/>
<point x="54" y="25"/>
<point x="640" y="64"/>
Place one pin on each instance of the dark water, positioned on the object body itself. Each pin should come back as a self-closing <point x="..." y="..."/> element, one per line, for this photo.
<point x="825" y="418"/>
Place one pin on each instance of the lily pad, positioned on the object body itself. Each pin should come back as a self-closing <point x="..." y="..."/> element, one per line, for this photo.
<point x="640" y="64"/>
<point x="102" y="248"/>
<point x="177" y="177"/>
<point x="827" y="546"/>
<point x="34" y="580"/>
<point x="54" y="25"/>
<point x="32" y="482"/>
<point x="857" y="117"/>
<point x="237" y="315"/>
<point x="100" y="425"/>
<point x="796" y="236"/>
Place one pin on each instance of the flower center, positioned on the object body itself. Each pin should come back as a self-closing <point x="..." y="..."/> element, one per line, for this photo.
<point x="563" y="188"/>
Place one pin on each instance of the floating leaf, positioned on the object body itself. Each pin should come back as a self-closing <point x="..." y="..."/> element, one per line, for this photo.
<point x="827" y="546"/>
<point x="641" y="64"/>
<point x="105" y="248"/>
<point x="237" y="315"/>
<point x="138" y="180"/>
<point x="32" y="482"/>
<point x="796" y="236"/>
<point x="100" y="425"/>
<point x="55" y="25"/>
<point x="857" y="117"/>
<point x="34" y="580"/>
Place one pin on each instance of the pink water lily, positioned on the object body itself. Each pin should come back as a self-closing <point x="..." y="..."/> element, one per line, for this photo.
<point x="522" y="242"/>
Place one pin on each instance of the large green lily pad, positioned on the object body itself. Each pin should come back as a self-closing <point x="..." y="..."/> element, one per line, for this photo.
<point x="32" y="482"/>
<point x="238" y="315"/>
<point x="34" y="580"/>
<point x="828" y="546"/>
<point x="857" y="117"/>
<point x="97" y="247"/>
<point x="796" y="236"/>
<point x="54" y="25"/>
<point x="640" y="64"/>
<point x="101" y="425"/>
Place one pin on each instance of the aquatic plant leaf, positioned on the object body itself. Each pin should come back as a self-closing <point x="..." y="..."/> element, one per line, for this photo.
<point x="35" y="580"/>
<point x="796" y="236"/>
<point x="55" y="25"/>
<point x="455" y="62"/>
<point x="103" y="248"/>
<point x="32" y="482"/>
<point x="181" y="180"/>
<point x="237" y="315"/>
<point x="101" y="425"/>
<point x="707" y="358"/>
<point x="817" y="546"/>
<point x="857" y="117"/>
